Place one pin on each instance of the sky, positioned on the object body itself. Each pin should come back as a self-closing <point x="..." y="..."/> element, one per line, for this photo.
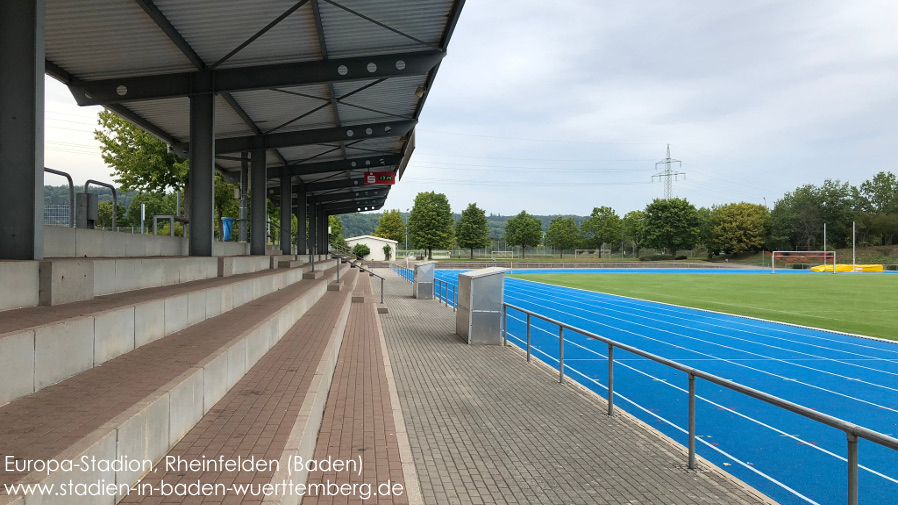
<point x="556" y="108"/>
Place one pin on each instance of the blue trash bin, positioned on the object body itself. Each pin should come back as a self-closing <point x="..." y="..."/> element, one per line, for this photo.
<point x="227" y="228"/>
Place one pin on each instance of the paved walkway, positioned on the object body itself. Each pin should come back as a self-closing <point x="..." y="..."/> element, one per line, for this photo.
<point x="486" y="428"/>
<point x="358" y="419"/>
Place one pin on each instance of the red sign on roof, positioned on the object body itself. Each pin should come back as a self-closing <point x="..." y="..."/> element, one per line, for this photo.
<point x="380" y="177"/>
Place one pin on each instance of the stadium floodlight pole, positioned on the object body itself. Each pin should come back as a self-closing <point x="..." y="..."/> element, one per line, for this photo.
<point x="853" y="253"/>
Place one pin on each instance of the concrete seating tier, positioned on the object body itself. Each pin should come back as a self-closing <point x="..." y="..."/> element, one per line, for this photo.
<point x="140" y="404"/>
<point x="40" y="346"/>
<point x="272" y="413"/>
<point x="104" y="276"/>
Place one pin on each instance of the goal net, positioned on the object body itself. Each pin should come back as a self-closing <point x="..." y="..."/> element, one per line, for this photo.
<point x="804" y="260"/>
<point x="502" y="254"/>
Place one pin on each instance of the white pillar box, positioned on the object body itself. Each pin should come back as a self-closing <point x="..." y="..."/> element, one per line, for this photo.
<point x="424" y="280"/>
<point x="479" y="316"/>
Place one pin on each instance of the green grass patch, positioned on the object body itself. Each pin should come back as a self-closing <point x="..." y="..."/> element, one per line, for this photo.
<point x="862" y="304"/>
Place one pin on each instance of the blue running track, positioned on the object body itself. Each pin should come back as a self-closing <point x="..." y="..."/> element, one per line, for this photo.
<point x="788" y="457"/>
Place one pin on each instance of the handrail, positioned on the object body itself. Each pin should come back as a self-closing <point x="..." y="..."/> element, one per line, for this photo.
<point x="71" y="194"/>
<point x="438" y="295"/>
<point x="852" y="431"/>
<point x="114" y="197"/>
<point x="363" y="269"/>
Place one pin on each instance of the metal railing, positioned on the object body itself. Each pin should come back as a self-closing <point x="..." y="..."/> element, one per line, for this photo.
<point x="114" y="196"/>
<point x="446" y="292"/>
<point x="406" y="273"/>
<point x="71" y="194"/>
<point x="369" y="272"/>
<point x="852" y="431"/>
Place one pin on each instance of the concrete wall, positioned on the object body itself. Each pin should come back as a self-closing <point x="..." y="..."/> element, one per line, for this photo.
<point x="61" y="242"/>
<point x="376" y="244"/>
<point x="24" y="277"/>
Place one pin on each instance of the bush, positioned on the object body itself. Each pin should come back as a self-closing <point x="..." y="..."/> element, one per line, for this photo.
<point x="681" y="257"/>
<point x="361" y="250"/>
<point x="656" y="257"/>
<point x="388" y="251"/>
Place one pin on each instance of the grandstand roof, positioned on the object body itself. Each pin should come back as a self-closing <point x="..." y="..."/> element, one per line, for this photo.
<point x="331" y="88"/>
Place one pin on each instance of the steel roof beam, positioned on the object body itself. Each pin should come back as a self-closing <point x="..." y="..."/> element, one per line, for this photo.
<point x="306" y="137"/>
<point x="153" y="87"/>
<point x="341" y="208"/>
<point x="352" y="194"/>
<point x="370" y="163"/>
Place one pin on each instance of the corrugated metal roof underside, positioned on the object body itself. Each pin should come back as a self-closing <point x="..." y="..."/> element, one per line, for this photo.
<point x="214" y="28"/>
<point x="349" y="35"/>
<point x="100" y="39"/>
<point x="104" y="39"/>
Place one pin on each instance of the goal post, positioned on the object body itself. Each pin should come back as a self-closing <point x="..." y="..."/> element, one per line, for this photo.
<point x="828" y="258"/>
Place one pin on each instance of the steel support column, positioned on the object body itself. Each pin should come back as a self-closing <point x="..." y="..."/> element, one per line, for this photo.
<point x="259" y="209"/>
<point x="322" y="231"/>
<point x="202" y="173"/>
<point x="244" y="183"/>
<point x="22" y="129"/>
<point x="313" y="227"/>
<point x="286" y="214"/>
<point x="302" y="243"/>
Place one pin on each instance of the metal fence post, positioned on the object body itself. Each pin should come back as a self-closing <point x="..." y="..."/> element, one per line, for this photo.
<point x="528" y="338"/>
<point x="610" y="379"/>
<point x="691" y="421"/>
<point x="338" y="270"/>
<point x="561" y="354"/>
<point x="504" y="325"/>
<point x="852" y="469"/>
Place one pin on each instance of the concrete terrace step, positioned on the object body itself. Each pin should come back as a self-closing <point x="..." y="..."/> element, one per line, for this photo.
<point x="40" y="346"/>
<point x="272" y="413"/>
<point x="103" y="276"/>
<point x="139" y="405"/>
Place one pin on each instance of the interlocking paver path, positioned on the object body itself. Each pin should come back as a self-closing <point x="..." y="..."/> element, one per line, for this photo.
<point x="485" y="427"/>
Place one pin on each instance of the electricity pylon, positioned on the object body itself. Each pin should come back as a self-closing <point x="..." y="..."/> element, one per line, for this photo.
<point x="667" y="174"/>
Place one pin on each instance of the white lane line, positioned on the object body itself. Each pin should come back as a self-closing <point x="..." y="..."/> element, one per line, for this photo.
<point x="703" y="398"/>
<point x="703" y="442"/>
<point x="741" y="320"/>
<point x="658" y="329"/>
<point x="610" y="304"/>
<point x="640" y="305"/>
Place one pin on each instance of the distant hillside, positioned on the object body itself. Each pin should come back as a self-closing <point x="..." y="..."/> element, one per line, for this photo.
<point x="59" y="195"/>
<point x="364" y="224"/>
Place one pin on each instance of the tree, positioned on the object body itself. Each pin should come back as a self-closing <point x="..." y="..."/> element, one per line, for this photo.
<point x="391" y="226"/>
<point x="739" y="227"/>
<point x="880" y="194"/>
<point x="798" y="218"/>
<point x="471" y="231"/>
<point x="430" y="222"/>
<point x="671" y="224"/>
<point x="523" y="230"/>
<point x="563" y="233"/>
<point x="388" y="252"/>
<point x="155" y="204"/>
<point x="139" y="160"/>
<point x="633" y="227"/>
<point x="361" y="250"/>
<point x="337" y="235"/>
<point x="603" y="226"/>
<point x="104" y="215"/>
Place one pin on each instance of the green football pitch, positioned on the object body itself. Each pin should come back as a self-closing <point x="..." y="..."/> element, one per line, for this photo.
<point x="865" y="304"/>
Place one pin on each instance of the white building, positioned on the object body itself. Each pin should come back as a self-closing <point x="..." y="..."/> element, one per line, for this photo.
<point x="376" y="244"/>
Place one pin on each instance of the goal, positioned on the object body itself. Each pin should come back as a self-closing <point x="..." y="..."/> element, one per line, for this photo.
<point x="803" y="260"/>
<point x="502" y="254"/>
